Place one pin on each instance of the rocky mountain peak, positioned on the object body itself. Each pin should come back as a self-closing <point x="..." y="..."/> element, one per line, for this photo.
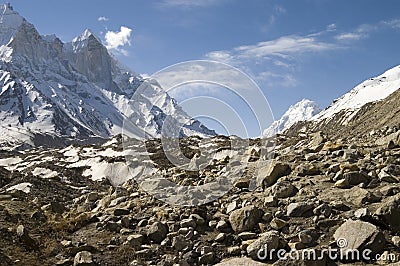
<point x="301" y="111"/>
<point x="10" y="21"/>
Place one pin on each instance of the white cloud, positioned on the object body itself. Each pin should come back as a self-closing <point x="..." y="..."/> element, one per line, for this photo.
<point x="331" y="27"/>
<point x="350" y="36"/>
<point x="117" y="39"/>
<point x="394" y="23"/>
<point x="273" y="79"/>
<point x="102" y="18"/>
<point x="279" y="54"/>
<point x="282" y="47"/>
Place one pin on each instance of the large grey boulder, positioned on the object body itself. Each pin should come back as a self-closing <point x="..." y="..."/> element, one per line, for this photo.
<point x="359" y="235"/>
<point x="245" y="219"/>
<point x="268" y="175"/>
<point x="268" y="241"/>
<point x="157" y="232"/>
<point x="389" y="213"/>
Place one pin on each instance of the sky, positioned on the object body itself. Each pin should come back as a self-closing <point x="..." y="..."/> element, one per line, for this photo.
<point x="314" y="49"/>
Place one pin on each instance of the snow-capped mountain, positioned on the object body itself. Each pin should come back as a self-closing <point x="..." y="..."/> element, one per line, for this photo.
<point x="371" y="90"/>
<point x="74" y="89"/>
<point x="301" y="111"/>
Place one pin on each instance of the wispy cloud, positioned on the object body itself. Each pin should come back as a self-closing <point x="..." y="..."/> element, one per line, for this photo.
<point x="365" y="30"/>
<point x="394" y="23"/>
<point x="350" y="36"/>
<point x="282" y="79"/>
<point x="282" y="47"/>
<point x="278" y="10"/>
<point x="117" y="39"/>
<point x="280" y="53"/>
<point x="102" y="18"/>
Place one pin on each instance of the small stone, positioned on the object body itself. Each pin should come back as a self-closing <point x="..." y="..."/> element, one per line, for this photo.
<point x="55" y="207"/>
<point x="233" y="251"/>
<point x="188" y="223"/>
<point x="198" y="219"/>
<point x="311" y="156"/>
<point x="83" y="258"/>
<point x="267" y="217"/>
<point x="323" y="209"/>
<point x="396" y="241"/>
<point x="283" y="189"/>
<point x="222" y="225"/>
<point x="231" y="207"/>
<point x="299" y="209"/>
<point x="305" y="237"/>
<point x="121" y="212"/>
<point x="204" y="250"/>
<point x="26" y="239"/>
<point x="66" y="243"/>
<point x="39" y="216"/>
<point x="143" y="223"/>
<point x="270" y="201"/>
<point x="207" y="259"/>
<point x="220" y="237"/>
<point x="296" y="245"/>
<point x="135" y="240"/>
<point x="179" y="243"/>
<point x="247" y="236"/>
<point x="361" y="213"/>
<point x="242" y="183"/>
<point x="277" y="223"/>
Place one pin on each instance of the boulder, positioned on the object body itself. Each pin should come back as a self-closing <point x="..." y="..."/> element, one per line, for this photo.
<point x="239" y="262"/>
<point x="245" y="219"/>
<point x="388" y="213"/>
<point x="359" y="196"/>
<point x="157" y="232"/>
<point x="257" y="249"/>
<point x="83" y="258"/>
<point x="359" y="235"/>
<point x="268" y="175"/>
<point x="299" y="209"/>
<point x="282" y="189"/>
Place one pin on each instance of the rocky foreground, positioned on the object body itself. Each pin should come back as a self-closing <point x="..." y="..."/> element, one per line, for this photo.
<point x="58" y="207"/>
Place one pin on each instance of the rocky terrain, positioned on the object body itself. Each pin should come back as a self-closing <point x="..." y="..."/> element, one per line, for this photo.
<point x="74" y="205"/>
<point x="330" y="183"/>
<point x="55" y="93"/>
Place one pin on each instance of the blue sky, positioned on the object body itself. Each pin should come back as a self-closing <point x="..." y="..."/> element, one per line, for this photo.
<point x="316" y="49"/>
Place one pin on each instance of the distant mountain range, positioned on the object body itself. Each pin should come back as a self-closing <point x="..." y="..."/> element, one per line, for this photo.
<point x="55" y="93"/>
<point x="76" y="90"/>
<point x="342" y="110"/>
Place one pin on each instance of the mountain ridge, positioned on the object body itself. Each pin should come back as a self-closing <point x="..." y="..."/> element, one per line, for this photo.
<point x="74" y="90"/>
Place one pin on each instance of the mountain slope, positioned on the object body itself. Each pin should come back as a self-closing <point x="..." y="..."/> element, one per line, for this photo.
<point x="301" y="111"/>
<point x="371" y="109"/>
<point x="76" y="90"/>
<point x="371" y="90"/>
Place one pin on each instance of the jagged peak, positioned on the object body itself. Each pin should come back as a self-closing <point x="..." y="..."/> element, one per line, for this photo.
<point x="81" y="41"/>
<point x="9" y="18"/>
<point x="85" y="36"/>
<point x="10" y="22"/>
